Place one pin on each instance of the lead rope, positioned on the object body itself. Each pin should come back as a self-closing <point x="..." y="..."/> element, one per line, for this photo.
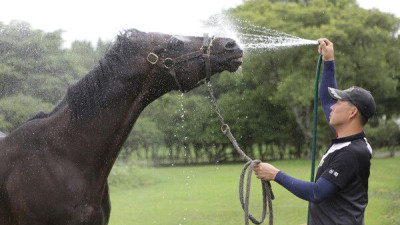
<point x="268" y="196"/>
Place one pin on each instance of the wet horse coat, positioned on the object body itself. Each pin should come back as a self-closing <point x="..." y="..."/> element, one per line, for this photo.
<point x="54" y="168"/>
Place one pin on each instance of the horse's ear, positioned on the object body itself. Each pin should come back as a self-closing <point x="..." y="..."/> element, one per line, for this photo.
<point x="136" y="37"/>
<point x="133" y="33"/>
<point x="127" y="42"/>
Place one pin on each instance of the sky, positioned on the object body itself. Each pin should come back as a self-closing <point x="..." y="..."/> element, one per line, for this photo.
<point x="93" y="19"/>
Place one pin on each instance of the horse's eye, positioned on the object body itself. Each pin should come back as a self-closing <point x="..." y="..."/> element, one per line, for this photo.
<point x="175" y="44"/>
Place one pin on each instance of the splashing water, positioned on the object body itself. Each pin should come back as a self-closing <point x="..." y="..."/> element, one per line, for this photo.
<point x="253" y="37"/>
<point x="182" y="112"/>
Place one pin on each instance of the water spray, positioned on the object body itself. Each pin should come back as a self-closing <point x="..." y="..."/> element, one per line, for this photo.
<point x="253" y="37"/>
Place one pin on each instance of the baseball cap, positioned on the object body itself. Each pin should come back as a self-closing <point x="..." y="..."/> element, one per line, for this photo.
<point x="360" y="97"/>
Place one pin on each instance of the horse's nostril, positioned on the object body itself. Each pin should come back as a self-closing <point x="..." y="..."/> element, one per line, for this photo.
<point x="230" y="45"/>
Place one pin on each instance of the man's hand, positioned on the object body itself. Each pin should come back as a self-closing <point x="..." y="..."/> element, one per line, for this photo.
<point x="265" y="171"/>
<point x="326" y="49"/>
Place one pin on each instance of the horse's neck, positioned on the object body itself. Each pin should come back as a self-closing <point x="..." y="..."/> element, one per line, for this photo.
<point x="100" y="134"/>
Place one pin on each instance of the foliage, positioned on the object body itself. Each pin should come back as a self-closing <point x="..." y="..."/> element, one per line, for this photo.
<point x="35" y="70"/>
<point x="365" y="56"/>
<point x="32" y="62"/>
<point x="147" y="136"/>
<point x="15" y="110"/>
<point x="267" y="104"/>
<point x="128" y="176"/>
<point x="386" y="135"/>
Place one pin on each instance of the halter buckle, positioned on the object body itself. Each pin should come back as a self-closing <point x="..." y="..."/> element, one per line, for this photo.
<point x="207" y="43"/>
<point x="168" y="63"/>
<point x="152" y="58"/>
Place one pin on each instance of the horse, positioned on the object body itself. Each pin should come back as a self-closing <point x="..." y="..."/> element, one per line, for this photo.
<point x="54" y="167"/>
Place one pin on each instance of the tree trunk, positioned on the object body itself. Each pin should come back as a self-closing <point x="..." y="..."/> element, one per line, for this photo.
<point x="303" y="119"/>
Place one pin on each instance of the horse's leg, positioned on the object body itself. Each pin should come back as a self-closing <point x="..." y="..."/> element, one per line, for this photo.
<point x="105" y="203"/>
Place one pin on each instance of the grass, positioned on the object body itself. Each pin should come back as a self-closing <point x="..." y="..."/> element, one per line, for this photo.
<point x="209" y="195"/>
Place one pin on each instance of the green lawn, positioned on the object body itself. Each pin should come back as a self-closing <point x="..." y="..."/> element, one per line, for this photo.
<point x="209" y="195"/>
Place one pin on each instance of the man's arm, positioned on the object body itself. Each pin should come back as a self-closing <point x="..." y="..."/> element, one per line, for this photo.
<point x="309" y="191"/>
<point x="312" y="192"/>
<point x="328" y="80"/>
<point x="328" y="76"/>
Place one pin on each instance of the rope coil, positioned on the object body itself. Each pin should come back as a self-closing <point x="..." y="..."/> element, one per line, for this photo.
<point x="267" y="193"/>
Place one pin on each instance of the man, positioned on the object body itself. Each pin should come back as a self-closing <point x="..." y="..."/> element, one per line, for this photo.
<point x="340" y="193"/>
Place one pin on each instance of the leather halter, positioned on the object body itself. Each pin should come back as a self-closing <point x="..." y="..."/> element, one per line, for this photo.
<point x="169" y="63"/>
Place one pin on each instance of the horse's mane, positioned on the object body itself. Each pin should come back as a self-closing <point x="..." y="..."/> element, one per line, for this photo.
<point x="94" y="91"/>
<point x="42" y="114"/>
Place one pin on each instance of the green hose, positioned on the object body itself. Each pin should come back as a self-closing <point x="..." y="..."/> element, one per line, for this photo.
<point x="315" y="117"/>
<point x="315" y="120"/>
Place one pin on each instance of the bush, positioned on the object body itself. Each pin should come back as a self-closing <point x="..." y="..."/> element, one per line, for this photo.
<point x="127" y="175"/>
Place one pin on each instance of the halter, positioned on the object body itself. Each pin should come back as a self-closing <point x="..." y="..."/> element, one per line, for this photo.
<point x="169" y="63"/>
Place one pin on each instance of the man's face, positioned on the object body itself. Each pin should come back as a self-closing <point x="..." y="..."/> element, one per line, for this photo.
<point x="340" y="113"/>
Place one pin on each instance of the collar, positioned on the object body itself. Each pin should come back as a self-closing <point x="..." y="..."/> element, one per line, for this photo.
<point x="349" y="138"/>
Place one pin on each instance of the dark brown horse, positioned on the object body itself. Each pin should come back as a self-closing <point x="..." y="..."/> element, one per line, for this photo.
<point x="54" y="168"/>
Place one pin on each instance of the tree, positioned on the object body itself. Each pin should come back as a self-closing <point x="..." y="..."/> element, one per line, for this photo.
<point x="32" y="62"/>
<point x="145" y="136"/>
<point x="267" y="104"/>
<point x="35" y="70"/>
<point x="364" y="48"/>
<point x="386" y="135"/>
<point x="15" y="110"/>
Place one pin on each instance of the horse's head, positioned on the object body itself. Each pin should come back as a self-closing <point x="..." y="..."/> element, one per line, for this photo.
<point x="181" y="62"/>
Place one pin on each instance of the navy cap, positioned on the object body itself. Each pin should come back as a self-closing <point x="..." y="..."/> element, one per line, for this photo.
<point x="360" y="97"/>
